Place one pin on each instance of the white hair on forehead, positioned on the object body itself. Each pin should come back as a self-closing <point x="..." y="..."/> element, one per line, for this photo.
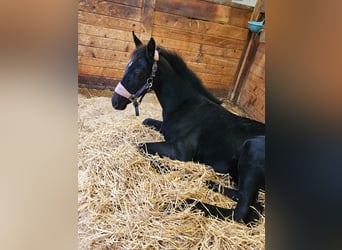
<point x="129" y="64"/>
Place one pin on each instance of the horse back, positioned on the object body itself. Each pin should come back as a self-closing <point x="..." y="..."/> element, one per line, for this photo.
<point x="214" y="132"/>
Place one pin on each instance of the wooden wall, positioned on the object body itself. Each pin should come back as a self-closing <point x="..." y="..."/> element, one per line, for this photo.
<point x="209" y="34"/>
<point x="251" y="98"/>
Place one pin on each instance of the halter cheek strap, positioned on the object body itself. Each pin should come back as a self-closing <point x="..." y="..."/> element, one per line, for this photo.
<point x="121" y="90"/>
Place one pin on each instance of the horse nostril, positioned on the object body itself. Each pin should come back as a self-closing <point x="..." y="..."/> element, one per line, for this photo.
<point x="115" y="102"/>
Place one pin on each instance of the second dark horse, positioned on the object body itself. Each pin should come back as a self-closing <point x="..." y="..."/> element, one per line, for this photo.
<point x="195" y="126"/>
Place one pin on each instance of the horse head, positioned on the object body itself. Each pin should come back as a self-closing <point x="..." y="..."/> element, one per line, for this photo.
<point x="138" y="76"/>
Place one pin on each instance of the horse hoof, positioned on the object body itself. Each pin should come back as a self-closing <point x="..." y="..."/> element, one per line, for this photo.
<point x="148" y="122"/>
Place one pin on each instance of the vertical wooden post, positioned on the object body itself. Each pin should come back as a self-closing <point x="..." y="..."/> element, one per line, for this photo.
<point x="245" y="66"/>
<point x="252" y="43"/>
<point x="147" y="19"/>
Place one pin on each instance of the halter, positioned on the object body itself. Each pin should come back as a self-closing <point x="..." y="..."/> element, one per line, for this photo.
<point x="121" y="90"/>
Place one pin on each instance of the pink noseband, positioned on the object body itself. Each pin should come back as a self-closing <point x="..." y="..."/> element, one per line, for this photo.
<point x="121" y="90"/>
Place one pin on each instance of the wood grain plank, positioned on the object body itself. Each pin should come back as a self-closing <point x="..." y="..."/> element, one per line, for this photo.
<point x="99" y="62"/>
<point x="108" y="22"/>
<point x="213" y="78"/>
<point x="258" y="70"/>
<point x="206" y="59"/>
<point x="147" y="14"/>
<point x="99" y="71"/>
<point x="135" y="3"/>
<point x="239" y="17"/>
<point x="210" y="68"/>
<point x="227" y="52"/>
<point x="176" y="45"/>
<point x="110" y="9"/>
<point x="197" y="9"/>
<point x="162" y="31"/>
<point x="200" y="26"/>
<point x="105" y="43"/>
<point x="96" y="82"/>
<point x="103" y="53"/>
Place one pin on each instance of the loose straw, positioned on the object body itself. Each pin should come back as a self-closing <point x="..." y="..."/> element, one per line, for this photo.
<point x="124" y="203"/>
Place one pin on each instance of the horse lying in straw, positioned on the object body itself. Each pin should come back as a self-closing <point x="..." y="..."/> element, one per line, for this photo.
<point x="195" y="126"/>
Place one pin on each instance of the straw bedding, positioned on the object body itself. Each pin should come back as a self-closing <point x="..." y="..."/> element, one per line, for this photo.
<point x="124" y="203"/>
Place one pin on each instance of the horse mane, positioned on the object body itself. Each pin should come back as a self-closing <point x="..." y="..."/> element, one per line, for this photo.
<point x="181" y="68"/>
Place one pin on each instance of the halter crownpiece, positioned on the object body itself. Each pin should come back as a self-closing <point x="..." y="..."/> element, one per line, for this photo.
<point x="121" y="90"/>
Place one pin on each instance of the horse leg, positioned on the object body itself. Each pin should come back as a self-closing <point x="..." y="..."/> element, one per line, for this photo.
<point x="247" y="197"/>
<point x="242" y="211"/>
<point x="229" y="192"/>
<point x="154" y="124"/>
<point x="211" y="210"/>
<point x="251" y="178"/>
<point x="175" y="151"/>
<point x="167" y="149"/>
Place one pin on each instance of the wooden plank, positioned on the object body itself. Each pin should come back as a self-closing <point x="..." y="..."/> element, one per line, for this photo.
<point x="210" y="68"/>
<point x="253" y="106"/>
<point x="215" y="86"/>
<point x="134" y="3"/>
<point x="105" y="43"/>
<point x="244" y="66"/>
<point x="108" y="22"/>
<point x="197" y="9"/>
<point x="195" y="48"/>
<point x="207" y="59"/>
<point x="103" y="53"/>
<point x="110" y="9"/>
<point x="230" y="3"/>
<point x="199" y="26"/>
<point x="254" y="80"/>
<point x="213" y="78"/>
<point x="147" y="13"/>
<point x="96" y="82"/>
<point x="99" y="62"/>
<point x="175" y="45"/>
<point x="97" y="31"/>
<point x="258" y="70"/>
<point x="222" y="51"/>
<point x="99" y="71"/>
<point x="162" y="31"/>
<point x="239" y="17"/>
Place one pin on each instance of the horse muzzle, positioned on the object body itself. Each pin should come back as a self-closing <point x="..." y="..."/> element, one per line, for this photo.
<point x="119" y="102"/>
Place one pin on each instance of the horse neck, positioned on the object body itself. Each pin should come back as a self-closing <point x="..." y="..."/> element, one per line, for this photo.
<point x="172" y="91"/>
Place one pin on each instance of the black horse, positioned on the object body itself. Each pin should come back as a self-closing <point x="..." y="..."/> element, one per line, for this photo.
<point x="195" y="126"/>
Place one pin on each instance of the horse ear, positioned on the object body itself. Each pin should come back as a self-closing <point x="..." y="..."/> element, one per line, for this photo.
<point x="151" y="48"/>
<point x="136" y="40"/>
